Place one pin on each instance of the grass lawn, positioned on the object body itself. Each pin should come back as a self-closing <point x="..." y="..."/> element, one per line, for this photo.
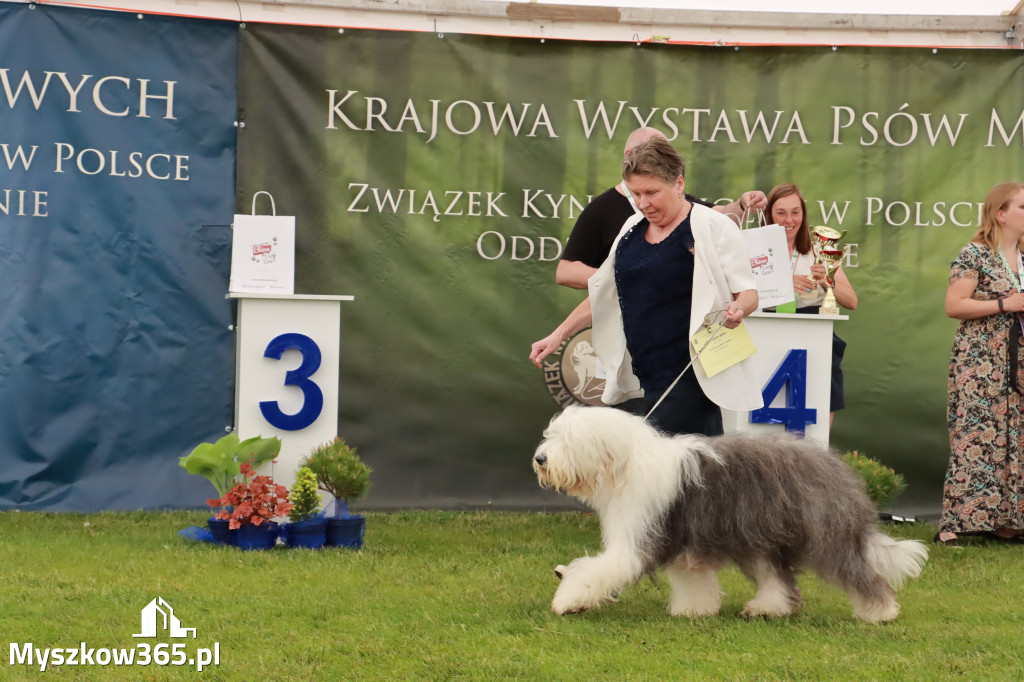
<point x="465" y="596"/>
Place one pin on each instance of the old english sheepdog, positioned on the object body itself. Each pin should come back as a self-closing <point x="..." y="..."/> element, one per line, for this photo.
<point x="771" y="504"/>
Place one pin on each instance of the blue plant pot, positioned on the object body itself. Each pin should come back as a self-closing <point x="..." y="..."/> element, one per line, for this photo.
<point x="346" y="531"/>
<point x="309" y="534"/>
<point x="263" y="536"/>
<point x="220" y="532"/>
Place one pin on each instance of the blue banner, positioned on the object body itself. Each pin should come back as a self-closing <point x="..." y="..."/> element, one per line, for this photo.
<point x="117" y="153"/>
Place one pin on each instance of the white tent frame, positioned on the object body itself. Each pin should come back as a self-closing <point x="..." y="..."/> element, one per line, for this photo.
<point x="581" y="22"/>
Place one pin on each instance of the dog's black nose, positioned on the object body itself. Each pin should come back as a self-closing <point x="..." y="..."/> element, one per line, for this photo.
<point x="541" y="460"/>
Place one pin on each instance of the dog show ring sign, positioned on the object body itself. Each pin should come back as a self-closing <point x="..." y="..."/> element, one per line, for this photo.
<point x="287" y="370"/>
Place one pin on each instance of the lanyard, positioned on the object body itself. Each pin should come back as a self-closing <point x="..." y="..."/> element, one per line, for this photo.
<point x="629" y="195"/>
<point x="1014" y="351"/>
<point x="1018" y="277"/>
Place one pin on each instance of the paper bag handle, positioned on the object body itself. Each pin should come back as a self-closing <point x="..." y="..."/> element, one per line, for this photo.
<point x="745" y="216"/>
<point x="273" y="208"/>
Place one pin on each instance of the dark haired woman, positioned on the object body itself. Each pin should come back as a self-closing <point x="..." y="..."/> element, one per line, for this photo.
<point x="786" y="207"/>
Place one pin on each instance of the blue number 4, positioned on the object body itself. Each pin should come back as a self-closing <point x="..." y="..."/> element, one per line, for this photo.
<point x="795" y="415"/>
<point x="313" y="397"/>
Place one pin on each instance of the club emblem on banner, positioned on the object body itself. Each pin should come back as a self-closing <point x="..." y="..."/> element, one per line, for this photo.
<point x="573" y="373"/>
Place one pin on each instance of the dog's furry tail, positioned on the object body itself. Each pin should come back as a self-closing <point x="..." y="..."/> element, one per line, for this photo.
<point x="895" y="560"/>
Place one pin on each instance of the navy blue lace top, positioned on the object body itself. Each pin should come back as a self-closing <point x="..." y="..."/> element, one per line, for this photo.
<point x="655" y="283"/>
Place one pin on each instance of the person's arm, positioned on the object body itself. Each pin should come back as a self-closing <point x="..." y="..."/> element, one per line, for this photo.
<point x="845" y="295"/>
<point x="961" y="305"/>
<point x="734" y="260"/>
<point x="573" y="273"/>
<point x="743" y="303"/>
<point x="577" y="320"/>
<point x="591" y="238"/>
<point x="843" y="290"/>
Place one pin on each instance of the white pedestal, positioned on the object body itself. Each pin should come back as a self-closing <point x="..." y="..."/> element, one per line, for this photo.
<point x="286" y="373"/>
<point x="775" y="335"/>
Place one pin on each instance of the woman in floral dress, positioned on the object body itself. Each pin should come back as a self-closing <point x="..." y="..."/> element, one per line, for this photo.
<point x="984" y="489"/>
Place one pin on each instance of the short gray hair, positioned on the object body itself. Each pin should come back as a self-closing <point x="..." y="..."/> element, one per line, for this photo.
<point x="656" y="157"/>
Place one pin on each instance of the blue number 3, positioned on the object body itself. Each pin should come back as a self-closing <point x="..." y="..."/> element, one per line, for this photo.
<point x="313" y="397"/>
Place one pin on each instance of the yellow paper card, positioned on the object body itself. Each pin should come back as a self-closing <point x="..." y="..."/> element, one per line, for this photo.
<point x="726" y="347"/>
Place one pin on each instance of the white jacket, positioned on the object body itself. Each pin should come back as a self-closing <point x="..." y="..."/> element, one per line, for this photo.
<point x="721" y="267"/>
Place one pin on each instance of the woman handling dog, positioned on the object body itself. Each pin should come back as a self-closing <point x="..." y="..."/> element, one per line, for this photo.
<point x="984" y="489"/>
<point x="786" y="207"/>
<point x="674" y="268"/>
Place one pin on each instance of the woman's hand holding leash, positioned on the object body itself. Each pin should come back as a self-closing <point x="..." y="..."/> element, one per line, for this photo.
<point x="732" y="315"/>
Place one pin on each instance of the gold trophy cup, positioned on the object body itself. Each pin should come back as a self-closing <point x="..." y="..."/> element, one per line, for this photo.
<point x="825" y="245"/>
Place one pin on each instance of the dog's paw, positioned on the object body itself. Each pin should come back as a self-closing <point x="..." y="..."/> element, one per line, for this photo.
<point x="560" y="571"/>
<point x="693" y="611"/>
<point x="773" y="604"/>
<point x="562" y="604"/>
<point x="695" y="606"/>
<point x="880" y="612"/>
<point x="753" y="611"/>
<point x="569" y="599"/>
<point x="568" y="609"/>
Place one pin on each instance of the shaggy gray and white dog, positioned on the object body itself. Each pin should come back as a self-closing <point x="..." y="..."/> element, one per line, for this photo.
<point x="773" y="505"/>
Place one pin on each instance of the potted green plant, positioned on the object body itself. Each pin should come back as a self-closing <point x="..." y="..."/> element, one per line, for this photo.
<point x="340" y="472"/>
<point x="308" y="528"/>
<point x="250" y="507"/>
<point x="220" y="463"/>
<point x="883" y="483"/>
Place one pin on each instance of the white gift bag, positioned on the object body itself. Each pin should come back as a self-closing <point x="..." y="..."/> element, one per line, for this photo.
<point x="263" y="252"/>
<point x="770" y="263"/>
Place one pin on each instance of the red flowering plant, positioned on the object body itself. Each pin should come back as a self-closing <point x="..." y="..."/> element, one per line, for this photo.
<point x="253" y="501"/>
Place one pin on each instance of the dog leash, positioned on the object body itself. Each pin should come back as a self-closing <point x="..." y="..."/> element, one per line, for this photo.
<point x="714" y="332"/>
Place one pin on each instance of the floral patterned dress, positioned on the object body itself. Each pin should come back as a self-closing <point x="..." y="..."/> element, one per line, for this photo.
<point x="984" y="487"/>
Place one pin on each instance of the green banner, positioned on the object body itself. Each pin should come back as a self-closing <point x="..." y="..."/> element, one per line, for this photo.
<point x="436" y="177"/>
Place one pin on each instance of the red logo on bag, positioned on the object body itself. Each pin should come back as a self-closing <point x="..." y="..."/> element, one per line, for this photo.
<point x="758" y="262"/>
<point x="260" y="249"/>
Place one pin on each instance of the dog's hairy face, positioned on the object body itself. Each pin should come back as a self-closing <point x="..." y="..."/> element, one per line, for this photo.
<point x="573" y="458"/>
